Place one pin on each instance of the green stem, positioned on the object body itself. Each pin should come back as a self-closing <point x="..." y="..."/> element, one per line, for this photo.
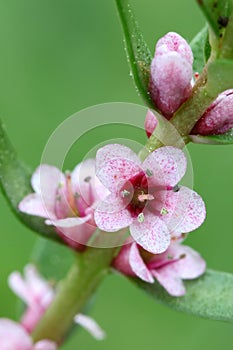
<point x="82" y="280"/>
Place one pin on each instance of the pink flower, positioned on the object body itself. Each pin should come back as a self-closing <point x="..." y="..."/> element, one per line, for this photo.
<point x="218" y="118"/>
<point x="178" y="262"/>
<point x="171" y="73"/>
<point x="14" y="337"/>
<point x="36" y="293"/>
<point x="145" y="196"/>
<point x="65" y="200"/>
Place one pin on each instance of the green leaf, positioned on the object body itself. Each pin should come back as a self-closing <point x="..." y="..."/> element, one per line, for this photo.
<point x="217" y="14"/>
<point x="209" y="296"/>
<point x="138" y="53"/>
<point x="223" y="139"/>
<point x="201" y="49"/>
<point x="220" y="76"/>
<point x="15" y="184"/>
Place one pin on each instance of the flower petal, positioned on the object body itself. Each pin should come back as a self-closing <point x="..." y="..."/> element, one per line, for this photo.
<point x="121" y="261"/>
<point x="151" y="123"/>
<point x="46" y="179"/>
<point x="45" y="345"/>
<point x="218" y="118"/>
<point x="115" y="172"/>
<point x="13" y="336"/>
<point x="19" y="287"/>
<point x="189" y="263"/>
<point x="138" y="266"/>
<point x="86" y="184"/>
<point x="152" y="234"/>
<point x="114" y="151"/>
<point x="75" y="231"/>
<point x="33" y="204"/>
<point x="112" y="221"/>
<point x="68" y="222"/>
<point x="168" y="165"/>
<point x="90" y="325"/>
<point x="186" y="211"/>
<point x="170" y="281"/>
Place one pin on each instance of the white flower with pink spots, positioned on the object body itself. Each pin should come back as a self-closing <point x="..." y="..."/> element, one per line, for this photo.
<point x="145" y="196"/>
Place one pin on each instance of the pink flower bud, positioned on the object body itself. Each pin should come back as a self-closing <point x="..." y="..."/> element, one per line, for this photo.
<point x="171" y="73"/>
<point x="151" y="123"/>
<point x="218" y="118"/>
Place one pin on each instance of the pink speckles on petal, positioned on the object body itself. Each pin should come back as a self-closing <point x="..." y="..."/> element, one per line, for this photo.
<point x="168" y="165"/>
<point x="112" y="221"/>
<point x="170" y="281"/>
<point x="152" y="234"/>
<point x="138" y="266"/>
<point x="114" y="151"/>
<point x="114" y="173"/>
<point x="188" y="211"/>
<point x="151" y="123"/>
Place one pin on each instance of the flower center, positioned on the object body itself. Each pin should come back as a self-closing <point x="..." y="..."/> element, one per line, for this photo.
<point x="71" y="197"/>
<point x="135" y="194"/>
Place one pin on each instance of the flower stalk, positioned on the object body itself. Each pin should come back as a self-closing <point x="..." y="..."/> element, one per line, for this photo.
<point x="83" y="278"/>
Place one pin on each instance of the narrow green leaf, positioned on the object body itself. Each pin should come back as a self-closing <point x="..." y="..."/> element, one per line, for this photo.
<point x="15" y="184"/>
<point x="209" y="296"/>
<point x="224" y="139"/>
<point x="138" y="53"/>
<point x="220" y="76"/>
<point x="201" y="49"/>
<point x="217" y="14"/>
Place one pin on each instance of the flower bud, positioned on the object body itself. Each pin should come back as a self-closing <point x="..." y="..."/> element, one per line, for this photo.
<point x="151" y="123"/>
<point x="171" y="73"/>
<point x="218" y="118"/>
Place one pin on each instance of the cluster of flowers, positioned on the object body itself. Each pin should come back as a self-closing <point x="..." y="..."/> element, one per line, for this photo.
<point x="37" y="294"/>
<point x="117" y="191"/>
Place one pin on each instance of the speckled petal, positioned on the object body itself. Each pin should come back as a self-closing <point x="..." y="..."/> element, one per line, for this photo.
<point x="114" y="151"/>
<point x="152" y="234"/>
<point x="138" y="266"/>
<point x="170" y="281"/>
<point x="112" y="221"/>
<point x="168" y="165"/>
<point x="186" y="211"/>
<point x="115" y="172"/>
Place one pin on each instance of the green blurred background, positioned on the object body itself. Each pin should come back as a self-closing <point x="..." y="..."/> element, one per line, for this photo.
<point x="58" y="57"/>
